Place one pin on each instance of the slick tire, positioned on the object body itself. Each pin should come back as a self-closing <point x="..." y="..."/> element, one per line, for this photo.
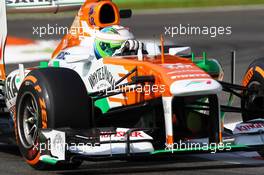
<point x="252" y="103"/>
<point x="49" y="98"/>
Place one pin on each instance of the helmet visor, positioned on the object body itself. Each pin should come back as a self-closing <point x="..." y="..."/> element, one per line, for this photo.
<point x="105" y="48"/>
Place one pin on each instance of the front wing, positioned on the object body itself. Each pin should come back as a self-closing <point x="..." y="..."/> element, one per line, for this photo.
<point x="67" y="144"/>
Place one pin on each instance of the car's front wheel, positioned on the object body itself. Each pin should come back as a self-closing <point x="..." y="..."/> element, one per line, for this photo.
<point x="49" y="98"/>
<point x="252" y="102"/>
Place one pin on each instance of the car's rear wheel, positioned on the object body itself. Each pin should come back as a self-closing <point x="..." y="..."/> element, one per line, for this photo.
<point x="49" y="98"/>
<point x="252" y="102"/>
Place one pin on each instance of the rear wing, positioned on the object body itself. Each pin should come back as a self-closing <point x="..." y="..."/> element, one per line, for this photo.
<point x="29" y="6"/>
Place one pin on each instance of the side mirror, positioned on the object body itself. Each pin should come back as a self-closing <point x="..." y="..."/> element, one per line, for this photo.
<point x="125" y="13"/>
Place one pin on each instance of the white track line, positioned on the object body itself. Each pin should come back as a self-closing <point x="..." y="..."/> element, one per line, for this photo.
<point x="38" y="51"/>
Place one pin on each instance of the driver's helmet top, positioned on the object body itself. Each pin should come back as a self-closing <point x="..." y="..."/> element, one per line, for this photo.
<point x="109" y="39"/>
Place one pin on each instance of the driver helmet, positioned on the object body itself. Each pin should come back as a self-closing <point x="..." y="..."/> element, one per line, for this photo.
<point x="109" y="39"/>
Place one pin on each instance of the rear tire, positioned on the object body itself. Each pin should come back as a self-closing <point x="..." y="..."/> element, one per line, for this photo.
<point x="49" y="98"/>
<point x="253" y="102"/>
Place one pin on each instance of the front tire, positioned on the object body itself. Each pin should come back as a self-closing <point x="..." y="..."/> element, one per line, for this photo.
<point x="49" y="98"/>
<point x="252" y="102"/>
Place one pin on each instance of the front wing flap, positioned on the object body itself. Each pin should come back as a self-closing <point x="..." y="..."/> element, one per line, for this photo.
<point x="63" y="144"/>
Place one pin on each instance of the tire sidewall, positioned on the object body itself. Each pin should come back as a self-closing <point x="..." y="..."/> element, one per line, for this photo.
<point x="62" y="101"/>
<point x="31" y="85"/>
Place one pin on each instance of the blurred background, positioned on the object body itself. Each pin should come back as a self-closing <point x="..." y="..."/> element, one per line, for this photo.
<point x="150" y="17"/>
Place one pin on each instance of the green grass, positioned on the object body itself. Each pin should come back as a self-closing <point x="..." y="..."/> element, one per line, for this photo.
<point x="149" y="4"/>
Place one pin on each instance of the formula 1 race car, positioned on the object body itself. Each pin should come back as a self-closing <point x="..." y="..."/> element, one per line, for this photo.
<point x="77" y="108"/>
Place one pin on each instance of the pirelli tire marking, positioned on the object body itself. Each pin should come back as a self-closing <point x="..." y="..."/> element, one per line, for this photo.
<point x="248" y="77"/>
<point x="33" y="81"/>
<point x="250" y="74"/>
<point x="260" y="71"/>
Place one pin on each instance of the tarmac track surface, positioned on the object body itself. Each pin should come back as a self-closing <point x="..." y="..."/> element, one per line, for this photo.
<point x="247" y="39"/>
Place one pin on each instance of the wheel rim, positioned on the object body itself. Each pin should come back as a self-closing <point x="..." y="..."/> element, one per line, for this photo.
<point x="255" y="96"/>
<point x="28" y="120"/>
